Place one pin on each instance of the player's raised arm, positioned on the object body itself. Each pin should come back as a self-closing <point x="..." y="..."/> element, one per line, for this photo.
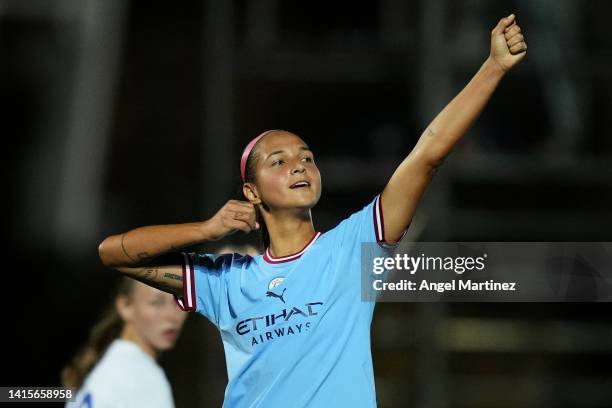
<point x="149" y="254"/>
<point x="405" y="188"/>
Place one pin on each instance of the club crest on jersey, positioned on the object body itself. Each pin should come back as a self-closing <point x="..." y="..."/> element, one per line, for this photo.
<point x="275" y="282"/>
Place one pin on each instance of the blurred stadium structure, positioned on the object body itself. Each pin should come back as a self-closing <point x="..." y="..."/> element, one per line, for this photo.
<point x="124" y="113"/>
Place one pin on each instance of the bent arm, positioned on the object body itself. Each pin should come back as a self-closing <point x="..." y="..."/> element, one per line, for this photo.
<point x="141" y="245"/>
<point x="149" y="254"/>
<point x="404" y="190"/>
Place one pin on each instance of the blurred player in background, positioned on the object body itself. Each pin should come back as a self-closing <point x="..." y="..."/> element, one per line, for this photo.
<point x="118" y="367"/>
<point x="294" y="329"/>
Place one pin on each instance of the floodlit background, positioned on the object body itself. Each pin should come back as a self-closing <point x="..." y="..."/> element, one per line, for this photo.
<point x="116" y="114"/>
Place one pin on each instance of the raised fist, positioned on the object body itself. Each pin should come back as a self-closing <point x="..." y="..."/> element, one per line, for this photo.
<point x="508" y="46"/>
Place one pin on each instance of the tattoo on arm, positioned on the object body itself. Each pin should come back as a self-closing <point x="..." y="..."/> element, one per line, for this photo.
<point x="173" y="276"/>
<point x="149" y="274"/>
<point x="430" y="133"/>
<point x="125" y="251"/>
<point x="142" y="257"/>
<point x="154" y="278"/>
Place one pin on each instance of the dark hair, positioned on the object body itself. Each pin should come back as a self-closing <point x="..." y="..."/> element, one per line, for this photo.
<point x="103" y="333"/>
<point x="249" y="177"/>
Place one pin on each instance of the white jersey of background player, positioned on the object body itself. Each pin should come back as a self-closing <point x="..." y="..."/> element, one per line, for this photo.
<point x="142" y="323"/>
<point x="125" y="377"/>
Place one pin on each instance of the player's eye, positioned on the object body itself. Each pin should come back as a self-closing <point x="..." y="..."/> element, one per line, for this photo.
<point x="278" y="162"/>
<point x="307" y="159"/>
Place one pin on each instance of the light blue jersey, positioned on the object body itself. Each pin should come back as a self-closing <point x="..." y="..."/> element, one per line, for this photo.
<point x="294" y="329"/>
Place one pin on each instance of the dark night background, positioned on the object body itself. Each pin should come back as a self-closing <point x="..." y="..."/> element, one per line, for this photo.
<point x="116" y="114"/>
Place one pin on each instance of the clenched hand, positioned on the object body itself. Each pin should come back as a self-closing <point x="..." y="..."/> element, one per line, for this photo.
<point x="508" y="46"/>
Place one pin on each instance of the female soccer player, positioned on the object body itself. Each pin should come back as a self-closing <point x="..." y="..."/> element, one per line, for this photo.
<point x="117" y="367"/>
<point x="294" y="329"/>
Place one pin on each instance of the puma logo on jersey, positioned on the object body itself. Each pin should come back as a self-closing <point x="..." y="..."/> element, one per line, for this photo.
<point x="272" y="294"/>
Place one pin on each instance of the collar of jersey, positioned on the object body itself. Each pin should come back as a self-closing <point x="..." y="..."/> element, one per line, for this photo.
<point x="288" y="258"/>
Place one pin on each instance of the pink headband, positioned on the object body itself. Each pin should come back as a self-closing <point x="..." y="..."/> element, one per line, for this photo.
<point x="247" y="151"/>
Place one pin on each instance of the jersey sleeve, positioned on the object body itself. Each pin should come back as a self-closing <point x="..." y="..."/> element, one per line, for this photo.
<point x="204" y="284"/>
<point x="365" y="226"/>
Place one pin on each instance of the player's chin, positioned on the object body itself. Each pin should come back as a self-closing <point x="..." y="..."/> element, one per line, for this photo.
<point x="164" y="344"/>
<point x="306" y="198"/>
<point x="166" y="340"/>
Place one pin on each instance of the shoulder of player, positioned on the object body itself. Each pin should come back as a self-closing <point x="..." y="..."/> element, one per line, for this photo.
<point x="367" y="211"/>
<point x="131" y="359"/>
<point x="336" y="232"/>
